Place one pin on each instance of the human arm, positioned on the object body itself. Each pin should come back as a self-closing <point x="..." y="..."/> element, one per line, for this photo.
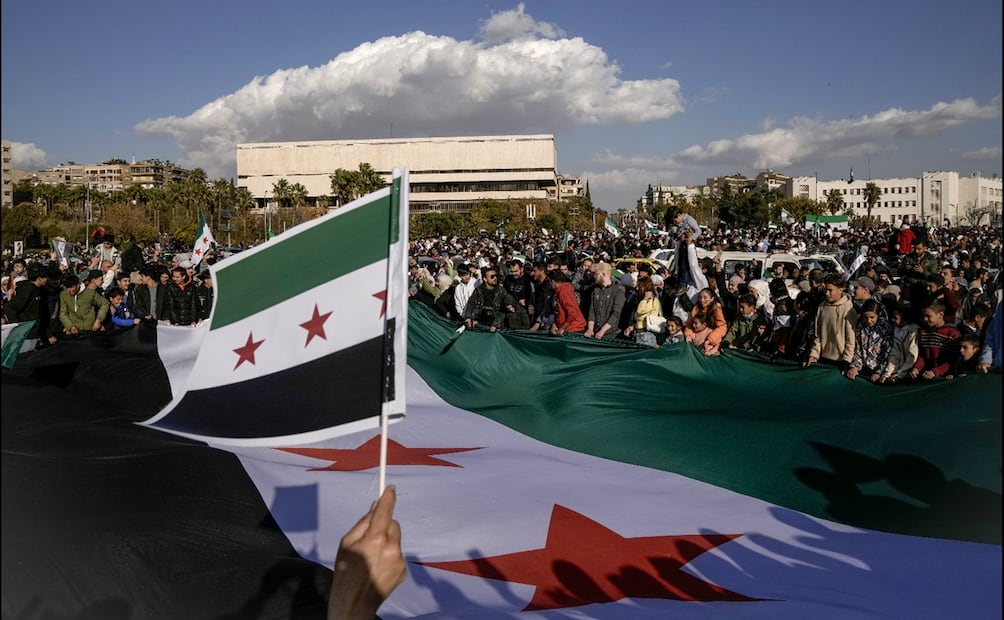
<point x="369" y="564"/>
<point x="718" y="332"/>
<point x="101" y="305"/>
<point x="64" y="312"/>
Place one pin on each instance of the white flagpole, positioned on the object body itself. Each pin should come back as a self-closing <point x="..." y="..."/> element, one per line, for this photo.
<point x="384" y="428"/>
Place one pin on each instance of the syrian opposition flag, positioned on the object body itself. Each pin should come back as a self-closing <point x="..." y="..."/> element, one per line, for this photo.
<point x="204" y="240"/>
<point x="577" y="493"/>
<point x="307" y="334"/>
<point x="14" y="336"/>
<point x="537" y="477"/>
<point x="611" y="227"/>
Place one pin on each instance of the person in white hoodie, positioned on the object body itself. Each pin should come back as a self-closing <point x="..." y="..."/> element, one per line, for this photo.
<point x="904" y="351"/>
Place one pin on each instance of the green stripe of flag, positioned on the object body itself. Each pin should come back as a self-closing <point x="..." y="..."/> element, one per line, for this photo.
<point x="335" y="246"/>
<point x="14" y="337"/>
<point x="920" y="459"/>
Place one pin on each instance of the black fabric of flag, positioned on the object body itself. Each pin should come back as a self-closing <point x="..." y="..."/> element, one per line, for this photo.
<point x="109" y="520"/>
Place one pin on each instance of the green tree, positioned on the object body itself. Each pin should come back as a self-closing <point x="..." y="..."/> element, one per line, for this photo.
<point x="834" y="201"/>
<point x="19" y="225"/>
<point x="282" y="192"/>
<point x="347" y="185"/>
<point x="871" y="194"/>
<point x="800" y="207"/>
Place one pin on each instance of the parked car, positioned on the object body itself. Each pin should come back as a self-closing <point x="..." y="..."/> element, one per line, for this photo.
<point x="223" y="251"/>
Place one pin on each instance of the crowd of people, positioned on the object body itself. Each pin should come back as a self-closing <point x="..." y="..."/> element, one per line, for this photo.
<point x="920" y="303"/>
<point x="110" y="291"/>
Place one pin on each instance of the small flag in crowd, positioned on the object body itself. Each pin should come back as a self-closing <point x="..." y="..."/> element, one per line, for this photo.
<point x="612" y="228"/>
<point x="323" y="332"/>
<point x="204" y="240"/>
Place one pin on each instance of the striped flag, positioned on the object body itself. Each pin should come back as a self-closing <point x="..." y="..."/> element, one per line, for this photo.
<point x="537" y="478"/>
<point x="14" y="335"/>
<point x="612" y="228"/>
<point x="204" y="240"/>
<point x="514" y="506"/>
<point x="310" y="328"/>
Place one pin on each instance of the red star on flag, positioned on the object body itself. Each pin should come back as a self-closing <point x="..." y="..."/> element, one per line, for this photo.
<point x="246" y="352"/>
<point x="584" y="562"/>
<point x="367" y="456"/>
<point x="315" y="326"/>
<point x="382" y="296"/>
<point x="198" y="251"/>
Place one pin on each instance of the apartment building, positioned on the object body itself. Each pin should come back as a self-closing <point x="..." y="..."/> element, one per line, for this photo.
<point x="936" y="197"/>
<point x="6" y="173"/>
<point x="114" y="175"/>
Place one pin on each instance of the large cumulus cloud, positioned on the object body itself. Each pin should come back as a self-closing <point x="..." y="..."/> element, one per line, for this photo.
<point x="520" y="76"/>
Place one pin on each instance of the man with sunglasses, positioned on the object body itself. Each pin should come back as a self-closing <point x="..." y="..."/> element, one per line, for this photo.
<point x="486" y="307"/>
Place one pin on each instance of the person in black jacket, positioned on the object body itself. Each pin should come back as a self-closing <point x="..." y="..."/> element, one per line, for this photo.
<point x="25" y="304"/>
<point x="182" y="305"/>
<point x="150" y="295"/>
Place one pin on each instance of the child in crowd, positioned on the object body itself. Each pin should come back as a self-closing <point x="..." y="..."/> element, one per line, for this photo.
<point x="748" y="331"/>
<point x="674" y="330"/>
<point x="874" y="340"/>
<point x="700" y="334"/>
<point x="714" y="319"/>
<point x="968" y="362"/>
<point x="119" y="315"/>
<point x="648" y="305"/>
<point x="903" y="352"/>
<point x="937" y="344"/>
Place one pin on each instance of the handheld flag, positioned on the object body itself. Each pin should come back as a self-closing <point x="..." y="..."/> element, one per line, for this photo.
<point x="611" y="227"/>
<point x="203" y="240"/>
<point x="318" y="353"/>
<point x="14" y="335"/>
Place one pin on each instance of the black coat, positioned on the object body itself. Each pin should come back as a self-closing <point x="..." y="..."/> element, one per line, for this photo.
<point x="143" y="309"/>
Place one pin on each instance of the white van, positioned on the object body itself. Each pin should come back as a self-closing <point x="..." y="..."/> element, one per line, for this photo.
<point x="761" y="264"/>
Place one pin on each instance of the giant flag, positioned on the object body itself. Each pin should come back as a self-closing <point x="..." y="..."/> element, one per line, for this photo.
<point x="537" y="477"/>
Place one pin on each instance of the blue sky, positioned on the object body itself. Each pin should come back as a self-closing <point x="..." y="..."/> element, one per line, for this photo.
<point x="636" y="92"/>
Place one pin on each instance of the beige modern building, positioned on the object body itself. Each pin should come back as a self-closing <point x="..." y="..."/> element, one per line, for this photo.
<point x="446" y="174"/>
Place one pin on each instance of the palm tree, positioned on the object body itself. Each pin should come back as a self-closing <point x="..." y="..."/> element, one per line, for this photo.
<point x="834" y="201"/>
<point x="282" y="192"/>
<point x="871" y="194"/>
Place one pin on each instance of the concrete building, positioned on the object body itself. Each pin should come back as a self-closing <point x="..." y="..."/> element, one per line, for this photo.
<point x="657" y="195"/>
<point x="979" y="200"/>
<point x="936" y="197"/>
<point x="114" y="175"/>
<point x="737" y="183"/>
<point x="446" y="174"/>
<point x="567" y="187"/>
<point x="6" y="173"/>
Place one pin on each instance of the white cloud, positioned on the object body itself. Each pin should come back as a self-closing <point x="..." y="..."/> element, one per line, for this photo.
<point x="516" y="24"/>
<point x="27" y="156"/>
<point x="806" y="139"/>
<point x="988" y="153"/>
<point x="519" y="79"/>
<point x="801" y="140"/>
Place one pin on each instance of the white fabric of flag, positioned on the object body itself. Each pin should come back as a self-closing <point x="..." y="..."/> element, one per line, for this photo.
<point x="204" y="240"/>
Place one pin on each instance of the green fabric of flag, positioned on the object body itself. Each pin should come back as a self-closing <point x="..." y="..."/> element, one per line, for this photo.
<point x="14" y="335"/>
<point x="806" y="439"/>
